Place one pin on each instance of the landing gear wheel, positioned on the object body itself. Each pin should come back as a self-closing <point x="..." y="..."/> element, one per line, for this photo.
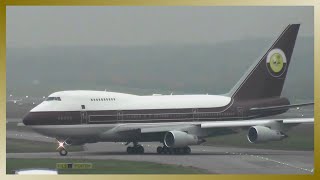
<point x="187" y="150"/>
<point x="63" y="152"/>
<point x="135" y="150"/>
<point x="159" y="149"/>
<point x="140" y="150"/>
<point x="177" y="151"/>
<point x="130" y="150"/>
<point x="168" y="150"/>
<point x="165" y="150"/>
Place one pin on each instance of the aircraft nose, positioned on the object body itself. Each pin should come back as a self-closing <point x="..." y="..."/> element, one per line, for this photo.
<point x="26" y="119"/>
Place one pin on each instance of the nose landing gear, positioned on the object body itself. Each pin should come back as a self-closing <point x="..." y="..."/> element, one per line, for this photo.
<point x="62" y="150"/>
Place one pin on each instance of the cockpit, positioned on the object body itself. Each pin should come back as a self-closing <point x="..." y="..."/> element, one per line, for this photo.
<point x="53" y="99"/>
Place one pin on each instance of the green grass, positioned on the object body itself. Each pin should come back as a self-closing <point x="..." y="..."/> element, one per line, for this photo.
<point x="102" y="166"/>
<point x="300" y="138"/>
<point x="21" y="146"/>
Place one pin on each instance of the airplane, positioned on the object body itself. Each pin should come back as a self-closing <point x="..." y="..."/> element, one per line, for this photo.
<point x="78" y="117"/>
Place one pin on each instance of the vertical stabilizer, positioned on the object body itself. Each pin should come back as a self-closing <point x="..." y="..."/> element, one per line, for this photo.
<point x="266" y="77"/>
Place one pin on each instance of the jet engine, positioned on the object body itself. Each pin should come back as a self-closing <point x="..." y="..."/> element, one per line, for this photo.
<point x="257" y="134"/>
<point x="180" y="139"/>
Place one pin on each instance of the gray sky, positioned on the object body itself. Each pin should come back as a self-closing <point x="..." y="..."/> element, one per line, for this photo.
<point x="67" y="26"/>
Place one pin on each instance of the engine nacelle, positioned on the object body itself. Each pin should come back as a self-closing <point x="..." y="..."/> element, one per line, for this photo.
<point x="258" y="134"/>
<point x="180" y="139"/>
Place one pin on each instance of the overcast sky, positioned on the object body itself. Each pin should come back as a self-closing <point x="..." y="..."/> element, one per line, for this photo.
<point x="68" y="26"/>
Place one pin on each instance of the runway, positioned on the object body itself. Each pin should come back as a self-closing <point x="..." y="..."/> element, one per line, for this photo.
<point x="219" y="160"/>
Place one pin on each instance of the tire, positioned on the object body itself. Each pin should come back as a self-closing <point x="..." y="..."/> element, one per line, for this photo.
<point x="159" y="149"/>
<point x="63" y="152"/>
<point x="130" y="150"/>
<point x="165" y="150"/>
<point x="140" y="150"/>
<point x="177" y="150"/>
<point x="187" y="150"/>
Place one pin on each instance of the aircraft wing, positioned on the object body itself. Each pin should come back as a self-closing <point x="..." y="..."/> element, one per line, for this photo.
<point x="276" y="108"/>
<point x="157" y="128"/>
<point x="247" y="123"/>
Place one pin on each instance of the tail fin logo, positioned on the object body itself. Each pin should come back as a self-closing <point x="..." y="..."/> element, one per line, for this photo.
<point x="276" y="62"/>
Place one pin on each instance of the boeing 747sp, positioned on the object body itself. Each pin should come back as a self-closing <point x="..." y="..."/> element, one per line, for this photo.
<point x="176" y="121"/>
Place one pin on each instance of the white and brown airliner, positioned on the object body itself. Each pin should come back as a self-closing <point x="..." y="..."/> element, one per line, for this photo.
<point x="177" y="121"/>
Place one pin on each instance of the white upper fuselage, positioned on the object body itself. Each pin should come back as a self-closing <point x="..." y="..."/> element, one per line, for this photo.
<point x="103" y="100"/>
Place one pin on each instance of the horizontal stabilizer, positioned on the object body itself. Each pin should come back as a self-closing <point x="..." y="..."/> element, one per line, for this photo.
<point x="275" y="108"/>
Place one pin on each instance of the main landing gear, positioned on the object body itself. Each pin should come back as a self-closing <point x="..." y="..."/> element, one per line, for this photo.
<point x="167" y="150"/>
<point x="135" y="149"/>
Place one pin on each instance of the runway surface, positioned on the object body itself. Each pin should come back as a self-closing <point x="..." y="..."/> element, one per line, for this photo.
<point x="221" y="160"/>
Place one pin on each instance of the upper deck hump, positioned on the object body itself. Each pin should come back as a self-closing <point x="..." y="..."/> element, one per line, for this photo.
<point x="103" y="100"/>
<point x="88" y="93"/>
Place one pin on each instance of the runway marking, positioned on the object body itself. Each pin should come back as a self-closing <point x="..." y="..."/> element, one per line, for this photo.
<point x="282" y="163"/>
<point x="275" y="161"/>
<point x="268" y="159"/>
<point x="257" y="156"/>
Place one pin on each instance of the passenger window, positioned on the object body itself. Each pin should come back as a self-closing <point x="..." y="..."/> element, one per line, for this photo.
<point x="83" y="107"/>
<point x="50" y="99"/>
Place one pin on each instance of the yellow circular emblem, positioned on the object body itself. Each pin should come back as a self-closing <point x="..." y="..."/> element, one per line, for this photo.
<point x="276" y="62"/>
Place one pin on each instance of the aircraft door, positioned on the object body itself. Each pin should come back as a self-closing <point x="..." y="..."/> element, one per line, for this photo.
<point x="240" y="111"/>
<point x="195" y="114"/>
<point x="119" y="116"/>
<point x="84" y="117"/>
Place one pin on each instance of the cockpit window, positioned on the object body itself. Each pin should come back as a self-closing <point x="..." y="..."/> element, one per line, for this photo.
<point x="53" y="99"/>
